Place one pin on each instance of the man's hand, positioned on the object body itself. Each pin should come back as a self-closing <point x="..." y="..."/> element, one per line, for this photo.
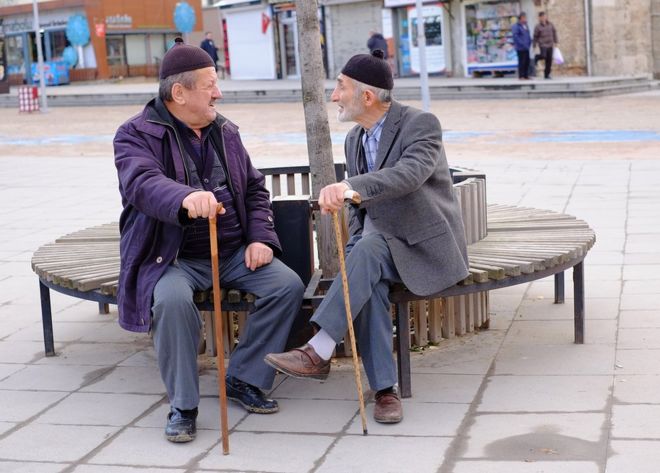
<point x="200" y="204"/>
<point x="331" y="198"/>
<point x="257" y="254"/>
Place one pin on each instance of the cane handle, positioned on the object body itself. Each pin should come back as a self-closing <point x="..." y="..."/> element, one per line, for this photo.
<point x="352" y="196"/>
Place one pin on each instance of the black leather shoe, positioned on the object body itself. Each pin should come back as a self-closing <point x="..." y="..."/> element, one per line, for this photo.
<point x="181" y="425"/>
<point x="250" y="397"/>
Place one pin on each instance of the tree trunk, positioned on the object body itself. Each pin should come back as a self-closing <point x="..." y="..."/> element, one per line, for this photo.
<point x="319" y="145"/>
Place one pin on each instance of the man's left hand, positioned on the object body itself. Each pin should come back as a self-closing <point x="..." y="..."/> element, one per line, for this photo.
<point x="257" y="254"/>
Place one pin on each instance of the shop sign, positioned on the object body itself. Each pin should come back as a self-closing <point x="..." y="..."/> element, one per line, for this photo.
<point x="100" y="30"/>
<point x="400" y="3"/>
<point x="433" y="33"/>
<point x="24" y="24"/>
<point x="119" y="21"/>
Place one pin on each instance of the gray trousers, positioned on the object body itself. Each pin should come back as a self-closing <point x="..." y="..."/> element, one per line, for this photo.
<point x="370" y="271"/>
<point x="177" y="322"/>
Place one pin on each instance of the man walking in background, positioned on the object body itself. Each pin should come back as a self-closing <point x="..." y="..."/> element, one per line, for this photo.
<point x="545" y="37"/>
<point x="208" y="45"/>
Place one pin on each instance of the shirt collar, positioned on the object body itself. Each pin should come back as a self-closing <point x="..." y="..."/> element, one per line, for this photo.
<point x="377" y="129"/>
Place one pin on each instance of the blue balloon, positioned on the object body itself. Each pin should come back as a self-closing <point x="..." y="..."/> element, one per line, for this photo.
<point x="77" y="31"/>
<point x="70" y="56"/>
<point x="184" y="17"/>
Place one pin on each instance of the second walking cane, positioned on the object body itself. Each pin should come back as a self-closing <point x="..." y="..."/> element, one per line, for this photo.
<point x="356" y="199"/>
<point x="219" y="342"/>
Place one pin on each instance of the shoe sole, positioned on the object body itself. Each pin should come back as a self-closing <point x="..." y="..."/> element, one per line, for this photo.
<point x="255" y="410"/>
<point x="293" y="374"/>
<point x="181" y="438"/>
<point x="389" y="421"/>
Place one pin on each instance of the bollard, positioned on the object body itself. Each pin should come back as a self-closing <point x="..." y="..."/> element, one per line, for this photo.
<point x="28" y="98"/>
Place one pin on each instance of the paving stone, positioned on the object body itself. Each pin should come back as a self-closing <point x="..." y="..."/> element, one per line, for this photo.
<point x="52" y="378"/>
<point x="304" y="415"/>
<point x="269" y="451"/>
<point x="31" y="467"/>
<point x="525" y="467"/>
<point x="456" y="388"/>
<point x="637" y="389"/>
<point x="639" y="319"/>
<point x="637" y="361"/>
<point x="26" y="404"/>
<point x="545" y="289"/>
<point x="128" y="379"/>
<point x="9" y="369"/>
<point x="21" y="352"/>
<point x="638" y="456"/>
<point x="469" y="354"/>
<point x="379" y="454"/>
<point x="536" y="437"/>
<point x="640" y="301"/>
<point x="83" y="409"/>
<point x="545" y="393"/>
<point x="148" y="448"/>
<point x="546" y="309"/>
<point x="639" y="338"/>
<point x="102" y="354"/>
<point x="63" y="331"/>
<point x="597" y="257"/>
<point x="415" y="414"/>
<point x="649" y="286"/>
<point x="642" y="243"/>
<point x="146" y="357"/>
<point x="642" y="258"/>
<point x="636" y="421"/>
<point x="55" y="443"/>
<point x="121" y="469"/>
<point x="554" y="332"/>
<point x="5" y="426"/>
<point x="643" y="272"/>
<point x="569" y="359"/>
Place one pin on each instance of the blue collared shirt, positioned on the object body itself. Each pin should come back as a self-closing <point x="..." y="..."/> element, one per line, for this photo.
<point x="370" y="140"/>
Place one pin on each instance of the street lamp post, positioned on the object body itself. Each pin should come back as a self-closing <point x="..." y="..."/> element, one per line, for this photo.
<point x="421" y="44"/>
<point x="40" y="58"/>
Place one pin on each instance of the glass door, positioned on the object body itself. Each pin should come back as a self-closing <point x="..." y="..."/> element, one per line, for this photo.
<point x="289" y="47"/>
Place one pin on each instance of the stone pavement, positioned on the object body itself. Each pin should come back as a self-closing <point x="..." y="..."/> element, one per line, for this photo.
<point x="518" y="398"/>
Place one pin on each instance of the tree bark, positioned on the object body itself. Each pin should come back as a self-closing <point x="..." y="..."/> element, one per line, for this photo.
<point x="319" y="144"/>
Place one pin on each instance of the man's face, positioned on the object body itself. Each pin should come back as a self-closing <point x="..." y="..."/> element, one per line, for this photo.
<point x="348" y="100"/>
<point x="199" y="101"/>
<point x="523" y="19"/>
<point x="543" y="19"/>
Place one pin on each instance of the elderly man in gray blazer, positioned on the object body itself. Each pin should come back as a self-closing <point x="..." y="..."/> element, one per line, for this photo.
<point x="407" y="229"/>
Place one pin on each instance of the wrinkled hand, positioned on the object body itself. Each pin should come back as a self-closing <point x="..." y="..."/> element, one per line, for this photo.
<point x="257" y="255"/>
<point x="331" y="198"/>
<point x="199" y="204"/>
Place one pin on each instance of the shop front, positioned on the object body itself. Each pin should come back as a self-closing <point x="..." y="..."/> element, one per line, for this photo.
<point x="488" y="39"/>
<point x="403" y="27"/>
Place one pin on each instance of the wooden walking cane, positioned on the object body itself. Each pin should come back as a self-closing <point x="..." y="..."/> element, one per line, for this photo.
<point x="355" y="198"/>
<point x="219" y="342"/>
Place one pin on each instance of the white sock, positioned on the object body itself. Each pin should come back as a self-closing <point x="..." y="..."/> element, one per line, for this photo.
<point x="323" y="344"/>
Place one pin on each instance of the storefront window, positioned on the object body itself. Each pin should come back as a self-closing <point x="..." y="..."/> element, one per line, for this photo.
<point x="116" y="50"/>
<point x="15" y="54"/>
<point x="136" y="49"/>
<point x="489" y="38"/>
<point x="58" y="42"/>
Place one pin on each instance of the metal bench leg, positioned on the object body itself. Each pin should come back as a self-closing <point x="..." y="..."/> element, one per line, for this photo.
<point x="578" y="308"/>
<point x="402" y="320"/>
<point x="104" y="308"/>
<point x="47" y="320"/>
<point x="559" y="288"/>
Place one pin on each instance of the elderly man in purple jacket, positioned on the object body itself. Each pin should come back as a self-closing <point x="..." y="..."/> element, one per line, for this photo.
<point x="176" y="161"/>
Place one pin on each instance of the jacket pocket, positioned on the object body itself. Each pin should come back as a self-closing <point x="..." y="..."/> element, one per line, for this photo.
<point x="426" y="233"/>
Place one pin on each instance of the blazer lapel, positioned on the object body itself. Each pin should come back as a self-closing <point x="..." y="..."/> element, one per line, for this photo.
<point x="387" y="136"/>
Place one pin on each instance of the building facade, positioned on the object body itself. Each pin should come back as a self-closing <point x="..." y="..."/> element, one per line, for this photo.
<point x="126" y="37"/>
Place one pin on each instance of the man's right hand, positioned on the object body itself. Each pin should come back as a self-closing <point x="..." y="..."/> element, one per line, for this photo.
<point x="200" y="204"/>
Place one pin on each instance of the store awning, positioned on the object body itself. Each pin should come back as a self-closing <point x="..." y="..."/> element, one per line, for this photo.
<point x="236" y="3"/>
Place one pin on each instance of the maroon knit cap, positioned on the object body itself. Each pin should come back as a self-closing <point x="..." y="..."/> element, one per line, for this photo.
<point x="370" y="69"/>
<point x="183" y="58"/>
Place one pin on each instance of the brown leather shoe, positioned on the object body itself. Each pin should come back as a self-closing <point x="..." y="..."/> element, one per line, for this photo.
<point x="388" y="408"/>
<point x="300" y="362"/>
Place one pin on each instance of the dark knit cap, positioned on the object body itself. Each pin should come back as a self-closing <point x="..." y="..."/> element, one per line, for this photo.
<point x="183" y="58"/>
<point x="370" y="69"/>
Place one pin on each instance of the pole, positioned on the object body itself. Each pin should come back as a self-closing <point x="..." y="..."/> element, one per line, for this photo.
<point x="219" y="342"/>
<point x="587" y="34"/>
<point x="421" y="44"/>
<point x="40" y="58"/>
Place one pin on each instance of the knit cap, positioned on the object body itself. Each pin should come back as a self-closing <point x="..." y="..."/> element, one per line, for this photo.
<point x="370" y="69"/>
<point x="183" y="58"/>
